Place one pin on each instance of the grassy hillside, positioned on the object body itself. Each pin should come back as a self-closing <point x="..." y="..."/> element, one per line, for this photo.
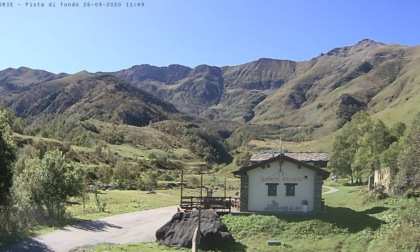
<point x="166" y="145"/>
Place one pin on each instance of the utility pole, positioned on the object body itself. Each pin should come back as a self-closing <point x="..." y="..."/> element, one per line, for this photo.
<point x="201" y="187"/>
<point x="225" y="188"/>
<point x="182" y="185"/>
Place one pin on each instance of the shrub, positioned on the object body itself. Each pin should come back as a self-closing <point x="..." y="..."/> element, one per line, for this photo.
<point x="250" y="226"/>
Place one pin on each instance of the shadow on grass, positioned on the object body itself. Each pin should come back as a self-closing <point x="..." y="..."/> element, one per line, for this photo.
<point x="375" y="210"/>
<point x="236" y="247"/>
<point x="28" y="245"/>
<point x="344" y="218"/>
<point x="94" y="225"/>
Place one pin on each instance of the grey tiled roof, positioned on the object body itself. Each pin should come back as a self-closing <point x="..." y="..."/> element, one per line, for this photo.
<point x="301" y="156"/>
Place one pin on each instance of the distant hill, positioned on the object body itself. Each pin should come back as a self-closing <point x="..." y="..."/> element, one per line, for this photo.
<point x="97" y="96"/>
<point x="15" y="81"/>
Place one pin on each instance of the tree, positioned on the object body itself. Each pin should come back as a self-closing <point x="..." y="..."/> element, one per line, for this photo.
<point x="104" y="174"/>
<point x="7" y="157"/>
<point x="243" y="158"/>
<point x="346" y="145"/>
<point x="49" y="182"/>
<point x="397" y="131"/>
<point x="408" y="176"/>
<point x="121" y="174"/>
<point x="389" y="159"/>
<point x="370" y="146"/>
<point x="149" y="180"/>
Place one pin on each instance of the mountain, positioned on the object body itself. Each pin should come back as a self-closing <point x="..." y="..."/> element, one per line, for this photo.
<point x="299" y="100"/>
<point x="320" y="94"/>
<point x="190" y="90"/>
<point x="15" y="81"/>
<point x="98" y="96"/>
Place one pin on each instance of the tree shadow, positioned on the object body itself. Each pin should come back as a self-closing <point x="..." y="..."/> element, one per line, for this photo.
<point x="344" y="218"/>
<point x="375" y="210"/>
<point x="28" y="245"/>
<point x="354" y="221"/>
<point x="94" y="225"/>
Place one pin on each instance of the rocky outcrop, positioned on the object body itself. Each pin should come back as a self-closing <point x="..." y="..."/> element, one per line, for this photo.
<point x="179" y="231"/>
<point x="348" y="106"/>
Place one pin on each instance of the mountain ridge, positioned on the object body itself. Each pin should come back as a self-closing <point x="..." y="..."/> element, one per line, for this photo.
<point x="320" y="94"/>
<point x="97" y="96"/>
<point x="343" y="80"/>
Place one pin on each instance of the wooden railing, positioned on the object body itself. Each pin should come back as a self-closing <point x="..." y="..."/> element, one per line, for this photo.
<point x="218" y="204"/>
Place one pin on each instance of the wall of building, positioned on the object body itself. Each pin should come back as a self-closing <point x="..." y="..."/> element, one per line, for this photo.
<point x="281" y="172"/>
<point x="244" y="193"/>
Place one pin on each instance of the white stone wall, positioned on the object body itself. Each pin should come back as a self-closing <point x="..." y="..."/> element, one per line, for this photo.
<point x="258" y="199"/>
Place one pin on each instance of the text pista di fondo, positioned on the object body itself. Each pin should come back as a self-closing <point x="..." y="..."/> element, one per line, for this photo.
<point x="72" y="4"/>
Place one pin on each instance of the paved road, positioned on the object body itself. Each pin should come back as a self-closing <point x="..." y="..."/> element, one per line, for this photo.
<point x="119" y="229"/>
<point x="331" y="190"/>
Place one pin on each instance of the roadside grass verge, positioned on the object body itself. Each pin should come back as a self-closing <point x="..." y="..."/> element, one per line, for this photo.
<point x="111" y="202"/>
<point x="150" y="247"/>
<point x="118" y="202"/>
<point x="143" y="247"/>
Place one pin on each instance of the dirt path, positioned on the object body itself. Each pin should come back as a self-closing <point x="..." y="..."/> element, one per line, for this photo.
<point x="331" y="190"/>
<point x="119" y="229"/>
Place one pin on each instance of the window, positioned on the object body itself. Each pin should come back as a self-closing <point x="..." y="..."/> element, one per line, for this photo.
<point x="290" y="189"/>
<point x="272" y="189"/>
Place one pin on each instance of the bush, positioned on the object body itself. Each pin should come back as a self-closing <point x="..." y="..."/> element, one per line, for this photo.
<point x="194" y="182"/>
<point x="89" y="126"/>
<point x="271" y="226"/>
<point x="250" y="226"/>
<point x="313" y="228"/>
<point x="166" y="177"/>
<point x="401" y="231"/>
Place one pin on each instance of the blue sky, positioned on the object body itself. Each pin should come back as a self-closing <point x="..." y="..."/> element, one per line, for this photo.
<point x="194" y="32"/>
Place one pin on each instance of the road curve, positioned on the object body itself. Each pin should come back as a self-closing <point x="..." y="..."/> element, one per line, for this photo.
<point x="331" y="190"/>
<point x="118" y="229"/>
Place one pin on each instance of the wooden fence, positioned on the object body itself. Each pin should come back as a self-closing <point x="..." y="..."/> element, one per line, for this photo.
<point x="218" y="204"/>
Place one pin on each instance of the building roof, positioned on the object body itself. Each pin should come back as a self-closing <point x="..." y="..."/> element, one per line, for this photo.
<point x="301" y="156"/>
<point x="243" y="170"/>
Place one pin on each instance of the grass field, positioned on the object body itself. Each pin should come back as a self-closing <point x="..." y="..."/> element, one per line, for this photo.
<point x="118" y="202"/>
<point x="113" y="202"/>
<point x="352" y="220"/>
